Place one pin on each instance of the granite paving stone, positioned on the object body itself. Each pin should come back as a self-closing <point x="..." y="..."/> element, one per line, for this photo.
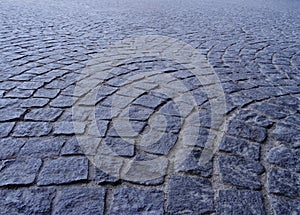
<point x="32" y="129"/>
<point x="79" y="200"/>
<point x="10" y="147"/>
<point x="63" y="170"/>
<point x="19" y="171"/>
<point x="131" y="200"/>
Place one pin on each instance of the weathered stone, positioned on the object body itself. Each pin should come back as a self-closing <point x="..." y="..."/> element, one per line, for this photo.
<point x="240" y="129"/>
<point x="189" y="195"/>
<point x="32" y="129"/>
<point x="240" y="147"/>
<point x="5" y="128"/>
<point x="162" y="146"/>
<point x="239" y="202"/>
<point x="10" y="147"/>
<point x="35" y="201"/>
<point x="139" y="113"/>
<point x="149" y="101"/>
<point x="17" y="93"/>
<point x="131" y="200"/>
<point x="79" y="200"/>
<point x="34" y="102"/>
<point x="19" y="172"/>
<point x="273" y="111"/>
<point x="62" y="102"/>
<point x="64" y="170"/>
<point x="191" y="165"/>
<point x="44" y="114"/>
<point x="71" y="147"/>
<point x="240" y="172"/>
<point x="289" y="102"/>
<point x="120" y="146"/>
<point x="42" y="148"/>
<point x="285" y="206"/>
<point x="285" y="157"/>
<point x="255" y="119"/>
<point x="11" y="114"/>
<point x="31" y="85"/>
<point x="67" y="128"/>
<point x="103" y="177"/>
<point x="46" y="93"/>
<point x="285" y="183"/>
<point x="286" y="133"/>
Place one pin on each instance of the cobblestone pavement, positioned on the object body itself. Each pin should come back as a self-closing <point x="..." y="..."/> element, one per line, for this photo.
<point x="254" y="48"/>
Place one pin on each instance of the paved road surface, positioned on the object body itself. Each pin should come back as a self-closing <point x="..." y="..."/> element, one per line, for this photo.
<point x="253" y="48"/>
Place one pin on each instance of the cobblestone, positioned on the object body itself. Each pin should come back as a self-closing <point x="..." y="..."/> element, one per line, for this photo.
<point x="249" y="46"/>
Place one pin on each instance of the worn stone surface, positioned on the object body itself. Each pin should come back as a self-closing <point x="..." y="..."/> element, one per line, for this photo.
<point x="44" y="114"/>
<point x="6" y="128"/>
<point x="131" y="200"/>
<point x="19" y="171"/>
<point x="32" y="129"/>
<point x="10" y="147"/>
<point x="9" y="114"/>
<point x="284" y="182"/>
<point x="26" y="201"/>
<point x="189" y="195"/>
<point x="41" y="148"/>
<point x="239" y="202"/>
<point x="77" y="200"/>
<point x="240" y="172"/>
<point x="63" y="170"/>
<point x="284" y="206"/>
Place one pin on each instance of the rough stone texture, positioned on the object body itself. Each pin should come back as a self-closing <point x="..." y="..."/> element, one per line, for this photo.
<point x="120" y="146"/>
<point x="9" y="147"/>
<point x="71" y="147"/>
<point x="44" y="114"/>
<point x="286" y="133"/>
<point x="67" y="128"/>
<point x="284" y="206"/>
<point x="131" y="200"/>
<point x="284" y="182"/>
<point x="189" y="195"/>
<point x="240" y="129"/>
<point x="77" y="200"/>
<point x="11" y="114"/>
<point x="285" y="157"/>
<point x="19" y="172"/>
<point x="239" y="202"/>
<point x="63" y="170"/>
<point x="241" y="172"/>
<point x="32" y="129"/>
<point x="240" y="147"/>
<point x="42" y="148"/>
<point x="5" y="128"/>
<point x="35" y="201"/>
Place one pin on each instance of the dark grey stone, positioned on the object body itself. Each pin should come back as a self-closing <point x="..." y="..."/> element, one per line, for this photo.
<point x="35" y="201"/>
<point x="103" y="177"/>
<point x="62" y="102"/>
<point x="64" y="170"/>
<point x="284" y="182"/>
<point x="131" y="200"/>
<point x="191" y="165"/>
<point x="9" y="147"/>
<point x="71" y="147"/>
<point x="273" y="111"/>
<point x="42" y="148"/>
<point x="282" y="206"/>
<point x="120" y="146"/>
<point x="79" y="200"/>
<point x="286" y="133"/>
<point x="5" y="128"/>
<point x="34" y="102"/>
<point x="254" y="119"/>
<point x="8" y="114"/>
<point x="189" y="195"/>
<point x="289" y="102"/>
<point x="237" y="202"/>
<point x="46" y="93"/>
<point x="32" y="129"/>
<point x="240" y="172"/>
<point x="240" y="129"/>
<point x="149" y="101"/>
<point x="285" y="157"/>
<point x="44" y="114"/>
<point x="67" y="128"/>
<point x="163" y="145"/>
<point x="240" y="147"/>
<point x="139" y="113"/>
<point x="19" y="172"/>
